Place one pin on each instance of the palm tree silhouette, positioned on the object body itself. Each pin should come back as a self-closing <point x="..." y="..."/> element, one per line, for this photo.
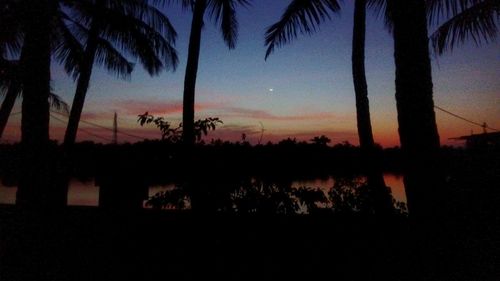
<point x="34" y="185"/>
<point x="415" y="106"/>
<point x="223" y="12"/>
<point x="135" y="26"/>
<point x="465" y="20"/>
<point x="12" y="88"/>
<point x="303" y="16"/>
<point x="475" y="20"/>
<point x="17" y="38"/>
<point x="35" y="31"/>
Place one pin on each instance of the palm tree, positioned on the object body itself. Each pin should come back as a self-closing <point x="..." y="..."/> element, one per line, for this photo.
<point x="415" y="106"/>
<point x="34" y="186"/>
<point x="475" y="20"/>
<point x="10" y="46"/>
<point x="303" y="16"/>
<point x="35" y="30"/>
<point x="223" y="12"/>
<point x="10" y="85"/>
<point x="12" y="88"/>
<point x="137" y="27"/>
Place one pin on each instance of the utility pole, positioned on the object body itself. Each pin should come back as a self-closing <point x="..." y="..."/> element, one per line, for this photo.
<point x="261" y="132"/>
<point x="115" y="129"/>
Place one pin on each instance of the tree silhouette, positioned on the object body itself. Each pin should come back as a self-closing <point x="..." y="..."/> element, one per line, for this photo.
<point x="475" y="20"/>
<point x="35" y="31"/>
<point x="415" y="106"/>
<point x="111" y="30"/>
<point x="223" y="13"/>
<point x="12" y="88"/>
<point x="304" y="17"/>
<point x="321" y="140"/>
<point x="35" y="184"/>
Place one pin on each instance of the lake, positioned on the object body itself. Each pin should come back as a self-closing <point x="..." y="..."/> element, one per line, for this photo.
<point x="87" y="194"/>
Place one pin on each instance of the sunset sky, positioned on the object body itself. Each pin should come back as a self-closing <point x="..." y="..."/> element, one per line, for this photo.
<point x="303" y="90"/>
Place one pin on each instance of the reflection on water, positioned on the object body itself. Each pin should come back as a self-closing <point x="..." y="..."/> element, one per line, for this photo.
<point x="395" y="182"/>
<point x="87" y="194"/>
<point x="83" y="193"/>
<point x="79" y="193"/>
<point x="7" y="194"/>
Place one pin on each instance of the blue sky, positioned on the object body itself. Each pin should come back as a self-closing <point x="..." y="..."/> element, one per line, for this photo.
<point x="311" y="80"/>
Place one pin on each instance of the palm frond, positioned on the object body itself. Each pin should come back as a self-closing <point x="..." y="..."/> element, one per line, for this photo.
<point x="184" y="3"/>
<point x="58" y="103"/>
<point x="11" y="31"/>
<point x="300" y="17"/>
<point x="67" y="49"/>
<point x="141" y="40"/>
<point x="112" y="60"/>
<point x="439" y="9"/>
<point x="145" y="11"/>
<point x="135" y="28"/>
<point x="383" y="9"/>
<point x="224" y="13"/>
<point x="478" y="23"/>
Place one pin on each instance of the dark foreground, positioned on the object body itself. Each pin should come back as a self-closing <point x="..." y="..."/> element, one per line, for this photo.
<point x="92" y="244"/>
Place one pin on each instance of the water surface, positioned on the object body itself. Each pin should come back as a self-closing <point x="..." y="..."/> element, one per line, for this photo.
<point x="87" y="194"/>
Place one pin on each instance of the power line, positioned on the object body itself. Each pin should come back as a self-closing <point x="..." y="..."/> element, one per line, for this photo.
<point x="95" y="135"/>
<point x="133" y="136"/>
<point x="86" y="122"/>
<point x="83" y="130"/>
<point x="104" y="127"/>
<point x="484" y="126"/>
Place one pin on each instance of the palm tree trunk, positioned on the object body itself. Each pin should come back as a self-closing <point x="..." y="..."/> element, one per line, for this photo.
<point x="191" y="72"/>
<point x="359" y="76"/>
<point x="414" y="96"/>
<point x="77" y="107"/>
<point x="34" y="184"/>
<point x="82" y="86"/>
<point x="379" y="191"/>
<point x="7" y="105"/>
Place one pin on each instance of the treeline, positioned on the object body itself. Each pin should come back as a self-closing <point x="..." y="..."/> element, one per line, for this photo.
<point x="162" y="162"/>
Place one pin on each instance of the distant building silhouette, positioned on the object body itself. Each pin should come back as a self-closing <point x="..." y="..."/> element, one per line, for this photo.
<point x="484" y="140"/>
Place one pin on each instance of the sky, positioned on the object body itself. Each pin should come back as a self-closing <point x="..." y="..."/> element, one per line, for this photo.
<point x="303" y="90"/>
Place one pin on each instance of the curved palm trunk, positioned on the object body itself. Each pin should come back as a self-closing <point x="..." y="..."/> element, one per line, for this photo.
<point x="417" y="122"/>
<point x="35" y="183"/>
<point x="7" y="105"/>
<point x="359" y="76"/>
<point x="77" y="106"/>
<point x="82" y="86"/>
<point x="380" y="192"/>
<point x="188" y="138"/>
<point x="191" y="72"/>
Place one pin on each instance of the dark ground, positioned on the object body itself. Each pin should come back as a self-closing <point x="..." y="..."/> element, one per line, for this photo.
<point x="92" y="244"/>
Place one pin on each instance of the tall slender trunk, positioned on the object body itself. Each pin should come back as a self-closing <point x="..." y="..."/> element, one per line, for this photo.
<point x="188" y="137"/>
<point x="35" y="183"/>
<point x="191" y="72"/>
<point x="8" y="104"/>
<point x="375" y="178"/>
<point x="359" y="76"/>
<point x="82" y="86"/>
<point x="414" y="96"/>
